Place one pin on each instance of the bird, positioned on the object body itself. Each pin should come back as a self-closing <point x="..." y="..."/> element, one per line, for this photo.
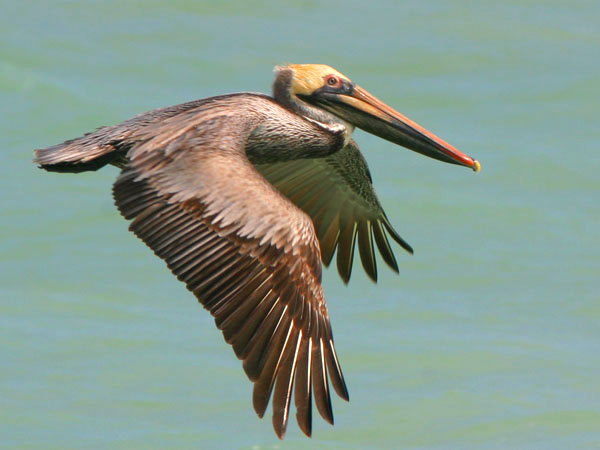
<point x="246" y="196"/>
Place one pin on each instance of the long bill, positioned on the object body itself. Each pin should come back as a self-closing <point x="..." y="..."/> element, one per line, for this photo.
<point x="372" y="115"/>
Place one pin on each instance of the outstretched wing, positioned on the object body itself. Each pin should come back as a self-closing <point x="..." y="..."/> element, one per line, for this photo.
<point x="249" y="255"/>
<point x="337" y="193"/>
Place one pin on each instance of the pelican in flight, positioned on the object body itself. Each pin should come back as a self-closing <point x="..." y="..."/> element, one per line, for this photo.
<point x="245" y="196"/>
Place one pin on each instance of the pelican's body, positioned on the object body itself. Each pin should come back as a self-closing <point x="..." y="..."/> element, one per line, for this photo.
<point x="243" y="196"/>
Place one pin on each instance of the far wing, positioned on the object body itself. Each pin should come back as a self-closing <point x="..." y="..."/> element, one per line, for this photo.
<point x="337" y="193"/>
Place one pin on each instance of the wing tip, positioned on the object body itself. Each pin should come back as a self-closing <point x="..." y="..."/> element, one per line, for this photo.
<point x="373" y="277"/>
<point x="280" y="428"/>
<point x="405" y="245"/>
<point x="304" y="423"/>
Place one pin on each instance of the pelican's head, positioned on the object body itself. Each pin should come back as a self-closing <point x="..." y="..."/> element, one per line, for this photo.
<point x="317" y="91"/>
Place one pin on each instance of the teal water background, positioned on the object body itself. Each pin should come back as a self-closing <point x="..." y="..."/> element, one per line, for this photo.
<point x="488" y="338"/>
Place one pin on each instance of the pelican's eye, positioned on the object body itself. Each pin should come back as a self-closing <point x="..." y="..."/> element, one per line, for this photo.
<point x="332" y="80"/>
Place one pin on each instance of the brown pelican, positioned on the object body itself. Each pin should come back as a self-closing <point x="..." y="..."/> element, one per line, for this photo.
<point x="244" y="196"/>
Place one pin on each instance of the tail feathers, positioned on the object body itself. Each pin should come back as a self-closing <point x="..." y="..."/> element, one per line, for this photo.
<point x="73" y="166"/>
<point x="106" y="145"/>
<point x="79" y="155"/>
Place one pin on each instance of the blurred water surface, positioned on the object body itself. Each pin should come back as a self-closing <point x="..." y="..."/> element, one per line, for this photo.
<point x="488" y="338"/>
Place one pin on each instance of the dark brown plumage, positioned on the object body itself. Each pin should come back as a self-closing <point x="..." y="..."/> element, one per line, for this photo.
<point x="243" y="196"/>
